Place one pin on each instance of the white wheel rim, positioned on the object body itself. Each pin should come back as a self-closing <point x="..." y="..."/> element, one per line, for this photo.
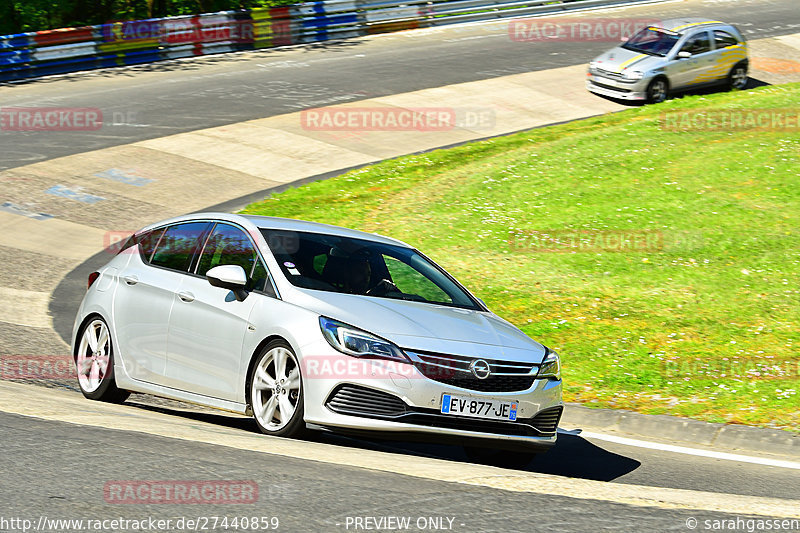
<point x="659" y="91"/>
<point x="739" y="78"/>
<point x="94" y="354"/>
<point x="276" y="389"/>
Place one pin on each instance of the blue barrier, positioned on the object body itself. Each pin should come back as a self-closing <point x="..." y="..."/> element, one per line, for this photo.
<point x="34" y="54"/>
<point x="15" y="57"/>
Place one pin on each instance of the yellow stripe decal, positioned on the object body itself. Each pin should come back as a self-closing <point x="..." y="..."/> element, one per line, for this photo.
<point x="630" y="61"/>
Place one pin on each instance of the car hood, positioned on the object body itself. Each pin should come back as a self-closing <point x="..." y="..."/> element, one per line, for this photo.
<point x="619" y="59"/>
<point x="426" y="327"/>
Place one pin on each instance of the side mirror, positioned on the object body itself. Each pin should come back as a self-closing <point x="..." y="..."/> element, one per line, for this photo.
<point x="231" y="277"/>
<point x="683" y="54"/>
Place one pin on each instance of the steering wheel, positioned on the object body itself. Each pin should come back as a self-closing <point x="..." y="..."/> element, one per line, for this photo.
<point x="382" y="287"/>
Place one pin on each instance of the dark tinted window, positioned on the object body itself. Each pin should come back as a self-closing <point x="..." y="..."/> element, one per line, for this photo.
<point x="148" y="241"/>
<point x="177" y="246"/>
<point x="227" y="245"/>
<point x="363" y="267"/>
<point x="697" y="44"/>
<point x="724" y="39"/>
<point x="653" y="41"/>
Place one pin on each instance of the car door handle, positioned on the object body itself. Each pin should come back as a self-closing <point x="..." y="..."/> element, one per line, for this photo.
<point x="131" y="280"/>
<point x="186" y="296"/>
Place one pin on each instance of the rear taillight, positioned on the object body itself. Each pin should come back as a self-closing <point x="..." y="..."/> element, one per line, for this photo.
<point x="92" y="278"/>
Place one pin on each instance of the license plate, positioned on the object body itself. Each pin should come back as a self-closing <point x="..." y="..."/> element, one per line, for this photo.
<point x="479" y="408"/>
<point x="607" y="81"/>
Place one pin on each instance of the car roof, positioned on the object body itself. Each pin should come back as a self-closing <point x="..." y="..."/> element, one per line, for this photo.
<point x="681" y="25"/>
<point x="292" y="224"/>
<point x="285" y="224"/>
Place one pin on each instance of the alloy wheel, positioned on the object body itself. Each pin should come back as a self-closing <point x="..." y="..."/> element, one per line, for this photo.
<point x="276" y="389"/>
<point x="94" y="355"/>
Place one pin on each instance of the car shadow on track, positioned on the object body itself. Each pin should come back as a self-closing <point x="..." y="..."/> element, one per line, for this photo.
<point x="573" y="456"/>
<point x="752" y="83"/>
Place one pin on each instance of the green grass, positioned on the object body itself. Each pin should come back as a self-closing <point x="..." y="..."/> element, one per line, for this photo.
<point x="680" y="328"/>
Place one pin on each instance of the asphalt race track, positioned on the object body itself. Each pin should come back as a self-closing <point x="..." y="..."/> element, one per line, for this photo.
<point x="59" y="450"/>
<point x="178" y="96"/>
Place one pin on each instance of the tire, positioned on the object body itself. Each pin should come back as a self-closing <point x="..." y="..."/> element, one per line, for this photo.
<point x="657" y="91"/>
<point x="502" y="458"/>
<point x="94" y="364"/>
<point x="737" y="77"/>
<point x="276" y="394"/>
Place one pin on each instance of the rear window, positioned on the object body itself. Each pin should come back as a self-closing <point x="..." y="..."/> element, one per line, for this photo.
<point x="724" y="39"/>
<point x="176" y="248"/>
<point x="147" y="242"/>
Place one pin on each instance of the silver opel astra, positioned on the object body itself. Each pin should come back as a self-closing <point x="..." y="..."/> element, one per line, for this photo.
<point x="311" y="326"/>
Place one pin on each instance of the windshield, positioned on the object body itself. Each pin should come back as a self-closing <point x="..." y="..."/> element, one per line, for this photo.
<point x="357" y="266"/>
<point x="652" y="41"/>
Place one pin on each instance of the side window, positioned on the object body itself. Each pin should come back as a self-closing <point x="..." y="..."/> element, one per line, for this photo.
<point x="410" y="281"/>
<point x="227" y="245"/>
<point x="147" y="243"/>
<point x="723" y="39"/>
<point x="259" y="281"/>
<point x="697" y="44"/>
<point x="178" y="245"/>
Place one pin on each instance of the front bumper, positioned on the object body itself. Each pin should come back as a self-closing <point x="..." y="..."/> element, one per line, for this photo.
<point x="615" y="88"/>
<point x="419" y="404"/>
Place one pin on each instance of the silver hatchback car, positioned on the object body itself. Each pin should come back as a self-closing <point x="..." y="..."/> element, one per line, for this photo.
<point x="677" y="54"/>
<point x="305" y="325"/>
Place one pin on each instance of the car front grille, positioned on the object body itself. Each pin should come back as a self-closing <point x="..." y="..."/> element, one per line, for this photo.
<point x="359" y="401"/>
<point x="547" y="421"/>
<point x="608" y="73"/>
<point x="362" y="401"/>
<point x="611" y="87"/>
<point x="454" y="370"/>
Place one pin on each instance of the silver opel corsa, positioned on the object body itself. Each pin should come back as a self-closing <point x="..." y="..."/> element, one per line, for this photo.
<point x="677" y="54"/>
<point x="311" y="326"/>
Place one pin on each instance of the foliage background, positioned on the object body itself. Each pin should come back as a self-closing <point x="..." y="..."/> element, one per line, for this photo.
<point x="17" y="16"/>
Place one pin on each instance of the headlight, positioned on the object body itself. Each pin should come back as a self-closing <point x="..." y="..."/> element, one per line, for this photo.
<point x="592" y="66"/>
<point x="633" y="75"/>
<point x="358" y="343"/>
<point x="551" y="366"/>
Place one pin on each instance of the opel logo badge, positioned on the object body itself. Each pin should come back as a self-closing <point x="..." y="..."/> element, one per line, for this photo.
<point x="480" y="368"/>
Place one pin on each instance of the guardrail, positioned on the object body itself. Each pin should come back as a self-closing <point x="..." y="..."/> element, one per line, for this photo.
<point x="36" y="54"/>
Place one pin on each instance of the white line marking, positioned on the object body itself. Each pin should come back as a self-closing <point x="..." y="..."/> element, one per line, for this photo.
<point x="690" y="451"/>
